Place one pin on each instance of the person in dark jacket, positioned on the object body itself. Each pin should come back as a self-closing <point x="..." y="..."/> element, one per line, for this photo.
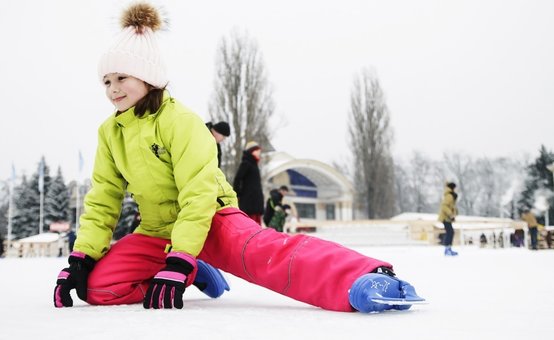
<point x="248" y="183"/>
<point x="71" y="239"/>
<point x="275" y="199"/>
<point x="220" y="131"/>
<point x="1" y="244"/>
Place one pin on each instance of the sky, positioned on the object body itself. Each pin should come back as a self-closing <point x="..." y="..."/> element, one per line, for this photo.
<point x="475" y="77"/>
<point x="481" y="294"/>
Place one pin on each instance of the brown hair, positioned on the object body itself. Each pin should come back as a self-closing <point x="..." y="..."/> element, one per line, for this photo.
<point x="151" y="102"/>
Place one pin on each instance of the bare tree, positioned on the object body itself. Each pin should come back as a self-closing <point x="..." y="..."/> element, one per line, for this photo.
<point x="414" y="184"/>
<point x="403" y="199"/>
<point x="479" y="182"/>
<point x="487" y="186"/>
<point x="462" y="167"/>
<point x="488" y="202"/>
<point x="242" y="97"/>
<point x="419" y="180"/>
<point x="370" y="136"/>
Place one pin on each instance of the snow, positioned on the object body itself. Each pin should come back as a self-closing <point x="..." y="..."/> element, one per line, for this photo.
<point x="481" y="294"/>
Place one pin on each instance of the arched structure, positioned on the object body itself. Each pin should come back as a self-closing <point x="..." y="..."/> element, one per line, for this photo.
<point x="318" y="191"/>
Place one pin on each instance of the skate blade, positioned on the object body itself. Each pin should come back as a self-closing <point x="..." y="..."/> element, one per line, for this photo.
<point x="400" y="302"/>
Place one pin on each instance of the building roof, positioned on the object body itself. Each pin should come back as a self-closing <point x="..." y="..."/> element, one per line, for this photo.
<point x="330" y="183"/>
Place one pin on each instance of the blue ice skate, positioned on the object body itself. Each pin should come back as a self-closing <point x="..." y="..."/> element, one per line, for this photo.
<point x="375" y="292"/>
<point x="449" y="252"/>
<point x="210" y="280"/>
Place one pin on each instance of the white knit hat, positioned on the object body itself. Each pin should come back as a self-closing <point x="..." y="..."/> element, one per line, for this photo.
<point x="135" y="51"/>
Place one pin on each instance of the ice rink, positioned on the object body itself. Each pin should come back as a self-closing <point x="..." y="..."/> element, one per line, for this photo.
<point x="481" y="294"/>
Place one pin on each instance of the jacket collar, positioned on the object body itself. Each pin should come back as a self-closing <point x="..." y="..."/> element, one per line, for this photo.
<point x="127" y="117"/>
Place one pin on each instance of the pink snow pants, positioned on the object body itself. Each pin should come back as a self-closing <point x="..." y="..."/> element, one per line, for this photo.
<point x="302" y="267"/>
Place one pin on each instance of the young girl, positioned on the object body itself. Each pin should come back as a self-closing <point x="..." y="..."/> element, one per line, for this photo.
<point x="162" y="153"/>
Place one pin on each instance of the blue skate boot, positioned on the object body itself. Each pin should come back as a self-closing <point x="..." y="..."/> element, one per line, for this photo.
<point x="449" y="252"/>
<point x="380" y="291"/>
<point x="209" y="280"/>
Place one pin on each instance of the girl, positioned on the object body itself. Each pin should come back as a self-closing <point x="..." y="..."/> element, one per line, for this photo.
<point x="162" y="153"/>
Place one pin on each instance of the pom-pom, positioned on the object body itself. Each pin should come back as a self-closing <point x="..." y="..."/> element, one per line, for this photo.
<point x="141" y="15"/>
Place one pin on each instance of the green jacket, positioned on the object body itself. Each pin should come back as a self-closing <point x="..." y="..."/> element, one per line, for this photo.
<point x="278" y="220"/>
<point x="448" y="210"/>
<point x="168" y="162"/>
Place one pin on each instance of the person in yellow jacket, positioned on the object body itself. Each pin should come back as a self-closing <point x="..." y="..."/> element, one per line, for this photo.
<point x="447" y="215"/>
<point x="161" y="152"/>
<point x="532" y="225"/>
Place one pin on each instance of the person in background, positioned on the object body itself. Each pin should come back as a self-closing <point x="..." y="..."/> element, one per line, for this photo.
<point x="220" y="131"/>
<point x="532" y="225"/>
<point x="483" y="240"/>
<point x="275" y="199"/>
<point x="248" y="183"/>
<point x="279" y="218"/>
<point x="447" y="215"/>
<point x="1" y="244"/>
<point x="71" y="239"/>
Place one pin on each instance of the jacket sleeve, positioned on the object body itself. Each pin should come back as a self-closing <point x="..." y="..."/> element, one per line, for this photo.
<point x="194" y="159"/>
<point x="102" y="203"/>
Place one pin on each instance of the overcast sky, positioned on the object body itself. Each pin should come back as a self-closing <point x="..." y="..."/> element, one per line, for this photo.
<point x="459" y="76"/>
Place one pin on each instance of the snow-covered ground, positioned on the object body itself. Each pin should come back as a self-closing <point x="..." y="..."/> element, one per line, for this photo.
<point x="481" y="294"/>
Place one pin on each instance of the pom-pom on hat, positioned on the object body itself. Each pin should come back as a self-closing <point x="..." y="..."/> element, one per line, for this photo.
<point x="251" y="146"/>
<point x="135" y="51"/>
<point x="222" y="128"/>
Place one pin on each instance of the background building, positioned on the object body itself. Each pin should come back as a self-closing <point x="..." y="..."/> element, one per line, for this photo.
<point x="317" y="190"/>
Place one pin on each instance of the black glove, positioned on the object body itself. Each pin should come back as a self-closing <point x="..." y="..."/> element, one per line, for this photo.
<point x="75" y="276"/>
<point x="168" y="286"/>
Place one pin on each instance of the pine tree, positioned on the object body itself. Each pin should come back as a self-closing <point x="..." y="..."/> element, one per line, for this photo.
<point x="27" y="203"/>
<point x="539" y="182"/>
<point x="56" y="201"/>
<point x="26" y="210"/>
<point x="4" y="205"/>
<point x="128" y="219"/>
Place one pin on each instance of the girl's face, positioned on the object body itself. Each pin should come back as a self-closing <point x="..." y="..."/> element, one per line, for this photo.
<point x="124" y="91"/>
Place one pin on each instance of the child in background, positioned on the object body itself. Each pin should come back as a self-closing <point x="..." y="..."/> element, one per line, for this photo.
<point x="279" y="217"/>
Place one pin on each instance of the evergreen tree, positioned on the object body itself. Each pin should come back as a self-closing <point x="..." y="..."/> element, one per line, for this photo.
<point x="27" y="203"/>
<point x="4" y="205"/>
<point x="539" y="182"/>
<point x="26" y="210"/>
<point x="128" y="219"/>
<point x="56" y="201"/>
